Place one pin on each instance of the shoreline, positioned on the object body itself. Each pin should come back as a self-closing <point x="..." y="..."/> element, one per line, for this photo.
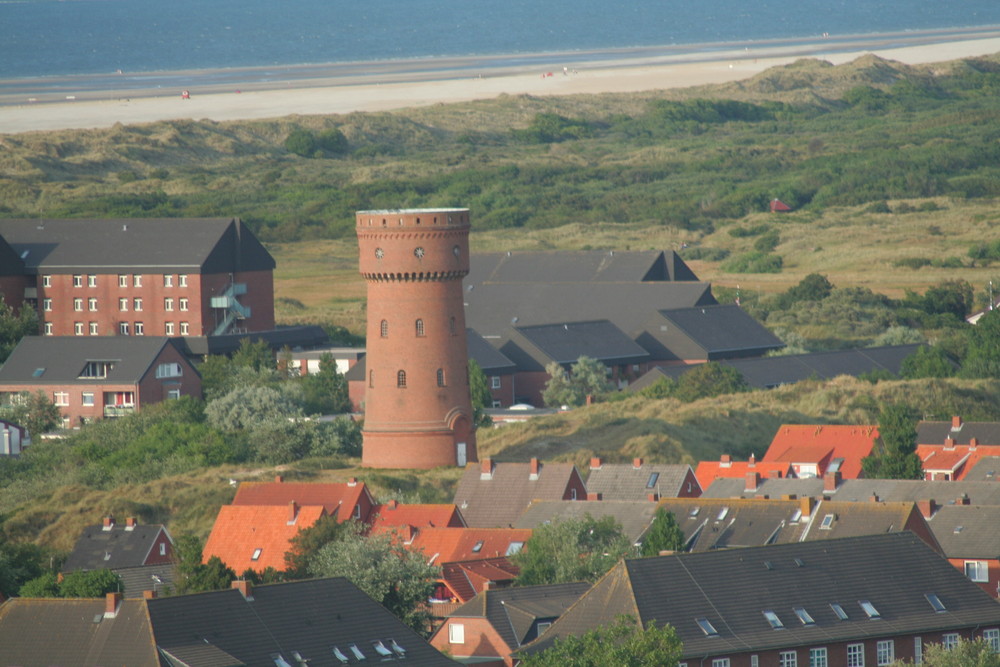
<point x="99" y="101"/>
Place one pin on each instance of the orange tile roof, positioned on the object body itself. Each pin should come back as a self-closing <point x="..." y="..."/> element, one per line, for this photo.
<point x="394" y="514"/>
<point x="338" y="499"/>
<point x="240" y="530"/>
<point x="467" y="578"/>
<point x="447" y="545"/>
<point x="821" y="443"/>
<point x="709" y="471"/>
<point x="959" y="459"/>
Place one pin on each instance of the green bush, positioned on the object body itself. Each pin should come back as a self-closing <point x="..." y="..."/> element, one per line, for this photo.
<point x="301" y="142"/>
<point x="753" y="262"/>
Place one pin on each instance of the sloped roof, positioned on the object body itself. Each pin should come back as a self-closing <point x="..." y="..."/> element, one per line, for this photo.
<point x="967" y="531"/>
<point x="731" y="588"/>
<point x="395" y="514"/>
<point x="153" y="245"/>
<point x="447" y="545"/>
<point x="719" y="331"/>
<point x="580" y="266"/>
<point x="534" y="347"/>
<point x="721" y="523"/>
<point x="852" y="519"/>
<point x="945" y="493"/>
<point x="935" y="433"/>
<point x="61" y="359"/>
<point x="634" y="516"/>
<point x="73" y="631"/>
<point x="709" y="471"/>
<point x="10" y="261"/>
<point x="338" y="499"/>
<point x="625" y="481"/>
<point x="985" y="469"/>
<point x="137" y="580"/>
<point x="501" y="497"/>
<point x="960" y="459"/>
<point x="489" y="358"/>
<point x="772" y="487"/>
<point x="817" y="443"/>
<point x="120" y="547"/>
<point x="308" y="617"/>
<point x="467" y="578"/>
<point x="240" y="530"/>
<point x="936" y="459"/>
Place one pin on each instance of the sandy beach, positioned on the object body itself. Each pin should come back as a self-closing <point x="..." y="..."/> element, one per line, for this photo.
<point x="330" y="89"/>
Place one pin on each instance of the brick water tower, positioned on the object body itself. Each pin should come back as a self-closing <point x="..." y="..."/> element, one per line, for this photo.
<point x="418" y="413"/>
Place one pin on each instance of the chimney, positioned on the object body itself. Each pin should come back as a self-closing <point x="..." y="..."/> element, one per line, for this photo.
<point x="652" y="497"/>
<point x="831" y="481"/>
<point x="927" y="507"/>
<point x="806" y="504"/>
<point x="949" y="443"/>
<point x="725" y="461"/>
<point x="278" y="479"/>
<point x="109" y="522"/>
<point x="245" y="588"/>
<point x="535" y="469"/>
<point x="590" y="399"/>
<point x="963" y="499"/>
<point x="293" y="511"/>
<point x="392" y="504"/>
<point x="973" y="443"/>
<point x="873" y="498"/>
<point x="753" y="479"/>
<point x="486" y="468"/>
<point x="593" y="495"/>
<point x="595" y="463"/>
<point x="752" y="461"/>
<point x="636" y="463"/>
<point x="112" y="601"/>
<point x="130" y="523"/>
<point x="352" y="481"/>
<point x="149" y="595"/>
<point x="956" y="423"/>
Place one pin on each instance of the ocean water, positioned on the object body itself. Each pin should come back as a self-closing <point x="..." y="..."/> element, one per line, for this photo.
<point x="61" y="37"/>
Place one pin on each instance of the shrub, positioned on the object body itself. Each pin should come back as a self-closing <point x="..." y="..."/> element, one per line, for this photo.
<point x="301" y="142"/>
<point x="753" y="262"/>
<point x="912" y="262"/>
<point x="332" y="141"/>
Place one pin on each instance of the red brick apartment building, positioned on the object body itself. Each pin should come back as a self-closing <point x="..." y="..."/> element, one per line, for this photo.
<point x="142" y="277"/>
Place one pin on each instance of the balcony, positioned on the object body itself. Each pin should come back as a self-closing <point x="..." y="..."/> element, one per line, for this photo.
<point x="111" y="411"/>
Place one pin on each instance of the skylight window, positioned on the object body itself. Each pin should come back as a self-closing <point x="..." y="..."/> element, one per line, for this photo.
<point x="397" y="649"/>
<point x="694" y="512"/>
<point x="39" y="372"/>
<point x="935" y="602"/>
<point x="707" y="627"/>
<point x="256" y="554"/>
<point x="796" y="516"/>
<point x="339" y="655"/>
<point x="839" y="611"/>
<point x="280" y="661"/>
<point x="382" y="650"/>
<point x="722" y="514"/>
<point x="869" y="609"/>
<point x="357" y="652"/>
<point x="514" y="548"/>
<point x="773" y="619"/>
<point x="653" y="479"/>
<point x="804" y="616"/>
<point x="478" y="547"/>
<point x="827" y="522"/>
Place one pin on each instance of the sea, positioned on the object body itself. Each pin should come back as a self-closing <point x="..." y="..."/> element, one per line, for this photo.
<point x="57" y="38"/>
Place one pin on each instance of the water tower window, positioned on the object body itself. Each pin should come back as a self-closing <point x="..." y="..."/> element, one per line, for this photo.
<point x="420" y="327"/>
<point x="440" y="377"/>
<point x="384" y="328"/>
<point x="401" y="379"/>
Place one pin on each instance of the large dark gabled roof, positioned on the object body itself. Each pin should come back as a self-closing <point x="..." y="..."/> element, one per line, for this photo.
<point x="10" y="261"/>
<point x="731" y="588"/>
<point x="490" y="359"/>
<point x="309" y="617"/>
<point x="97" y="548"/>
<point x="61" y="359"/>
<point x="712" y="332"/>
<point x="935" y="433"/>
<point x="532" y="348"/>
<point x="142" y="245"/>
<point x="582" y="266"/>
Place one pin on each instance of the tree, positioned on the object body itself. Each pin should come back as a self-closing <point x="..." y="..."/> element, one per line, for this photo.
<point x="90" y="584"/>
<point x="814" y="287"/>
<point x="33" y="411"/>
<point x="301" y="142"/>
<point x="42" y="586"/>
<point x="929" y="361"/>
<point x="332" y="141"/>
<point x="894" y="454"/>
<point x="249" y="407"/>
<point x="399" y="579"/>
<point x="308" y="542"/>
<point x="573" y="550"/>
<point x="982" y="356"/>
<point x="482" y="398"/>
<point x="663" y="535"/>
<point x="623" y="644"/>
<point x="192" y="575"/>
<point x="709" y="379"/>
<point x="977" y="653"/>
<point x="325" y="392"/>
<point x="14" y="327"/>
<point x="19" y="563"/>
<point x="587" y="377"/>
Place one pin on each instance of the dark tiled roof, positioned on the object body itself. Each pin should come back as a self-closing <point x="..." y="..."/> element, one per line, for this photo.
<point x="934" y="433"/>
<point x="967" y="531"/>
<point x="297" y="336"/>
<point x="119" y="547"/>
<point x="500" y="500"/>
<point x="63" y="359"/>
<point x="771" y="487"/>
<point x="136" y="580"/>
<point x="710" y="332"/>
<point x="633" y="516"/>
<point x="624" y="481"/>
<point x="945" y="493"/>
<point x="587" y="266"/>
<point x="309" y="617"/>
<point x="732" y="587"/>
<point x="153" y="245"/>
<point x="532" y="348"/>
<point x="720" y="523"/>
<point x="490" y="359"/>
<point x="73" y="632"/>
<point x="10" y="261"/>
<point x="770" y="372"/>
<point x="987" y="469"/>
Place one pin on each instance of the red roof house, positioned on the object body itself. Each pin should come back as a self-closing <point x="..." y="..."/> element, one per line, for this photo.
<point x="778" y="206"/>
<point x="342" y="500"/>
<point x="397" y="515"/>
<point x="812" y="450"/>
<point x="462" y="580"/>
<point x="725" y="468"/>
<point x="949" y="451"/>
<point x="256" y="537"/>
<point x="449" y="545"/>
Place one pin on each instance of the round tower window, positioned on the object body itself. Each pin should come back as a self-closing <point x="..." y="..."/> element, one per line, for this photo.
<point x="379" y="253"/>
<point x="418" y="252"/>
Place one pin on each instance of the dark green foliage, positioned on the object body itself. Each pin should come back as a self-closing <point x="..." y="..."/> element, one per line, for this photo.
<point x="574" y="550"/>
<point x="80" y="584"/>
<point x="985" y="253"/>
<point x="310" y="540"/>
<point x="325" y="392"/>
<point x="482" y="398"/>
<point x="332" y="141"/>
<point x="42" y="586"/>
<point x="702" y="381"/>
<point x="301" y="142"/>
<point x="34" y="411"/>
<point x="814" y="287"/>
<point x="982" y="357"/>
<point x="708" y="254"/>
<point x="663" y="535"/>
<point x="548" y="128"/>
<point x="952" y="299"/>
<point x="14" y="327"/>
<point x="743" y="232"/>
<point x="929" y="361"/>
<point x="753" y="262"/>
<point x="894" y="453"/>
<point x="587" y="377"/>
<point x="623" y="644"/>
<point x="192" y="575"/>
<point x="912" y="262"/>
<point x="20" y="563"/>
<point x="767" y="242"/>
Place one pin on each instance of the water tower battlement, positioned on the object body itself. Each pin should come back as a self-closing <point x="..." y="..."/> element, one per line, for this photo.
<point x="418" y="413"/>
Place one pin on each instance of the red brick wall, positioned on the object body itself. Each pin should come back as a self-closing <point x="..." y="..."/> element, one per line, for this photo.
<point x="154" y="390"/>
<point x="993" y="572"/>
<point x="259" y="297"/>
<point x="481" y="640"/>
<point x="690" y="481"/>
<point x="505" y="394"/>
<point x="12" y="290"/>
<point x="154" y="557"/>
<point x="528" y="387"/>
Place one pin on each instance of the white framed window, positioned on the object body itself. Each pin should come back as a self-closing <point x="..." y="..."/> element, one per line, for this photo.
<point x="78" y="328"/>
<point x="77" y="281"/>
<point x="137" y="304"/>
<point x="46" y="281"/>
<point x="163" y="548"/>
<point x="495" y="382"/>
<point x="918" y="651"/>
<point x="78" y="304"/>
<point x="720" y="662"/>
<point x="91" y="281"/>
<point x="183" y="304"/>
<point x="93" y="328"/>
<point x="169" y="370"/>
<point x="182" y="280"/>
<point x="788" y="659"/>
<point x="184" y="328"/>
<point x="123" y="304"/>
<point x="168" y="328"/>
<point x="855" y="655"/>
<point x="173" y="394"/>
<point x="949" y="641"/>
<point x="992" y="637"/>
<point x="137" y="280"/>
<point x="817" y="657"/>
<point x="92" y="304"/>
<point x="168" y="304"/>
<point x="139" y="329"/>
<point x="754" y="662"/>
<point x="60" y="398"/>
<point x="48" y="328"/>
<point x="885" y="652"/>
<point x="87" y="398"/>
<point x="47" y="305"/>
<point x="456" y="633"/>
<point x="496" y="403"/>
<point x="123" y="328"/>
<point x="168" y="280"/>
<point x="977" y="570"/>
<point x="122" y="280"/>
